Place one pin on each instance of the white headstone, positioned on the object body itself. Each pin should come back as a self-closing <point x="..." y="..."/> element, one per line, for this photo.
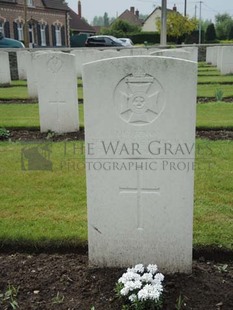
<point x="209" y="54"/>
<point x="214" y="56"/>
<point x="84" y="56"/>
<point x="23" y="59"/>
<point x="5" y="75"/>
<point x="31" y="76"/>
<point x="57" y="90"/>
<point x="227" y="60"/>
<point x="219" y="57"/>
<point x="140" y="135"/>
<point x="176" y="53"/>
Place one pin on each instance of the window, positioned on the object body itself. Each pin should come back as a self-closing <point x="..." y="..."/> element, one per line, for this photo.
<point x="30" y="2"/>
<point x="58" y="35"/>
<point x="20" y="31"/>
<point x="31" y="34"/>
<point x="2" y="27"/>
<point x="43" y="35"/>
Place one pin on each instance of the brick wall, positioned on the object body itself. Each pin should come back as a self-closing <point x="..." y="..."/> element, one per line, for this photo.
<point x="12" y="12"/>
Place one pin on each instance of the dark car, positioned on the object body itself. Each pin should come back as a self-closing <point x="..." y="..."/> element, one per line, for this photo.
<point x="103" y="41"/>
<point x="9" y="43"/>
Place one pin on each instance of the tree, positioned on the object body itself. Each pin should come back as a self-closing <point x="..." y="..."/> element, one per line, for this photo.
<point x="98" y="21"/>
<point x="120" y="28"/>
<point x="178" y="25"/>
<point x="103" y="21"/>
<point x="230" y="34"/>
<point x="224" y="23"/>
<point x="106" y="19"/>
<point x="210" y="34"/>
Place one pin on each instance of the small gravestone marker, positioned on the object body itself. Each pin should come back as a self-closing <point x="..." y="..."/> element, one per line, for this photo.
<point x="23" y="60"/>
<point x="5" y="75"/>
<point x="57" y="90"/>
<point x="140" y="135"/>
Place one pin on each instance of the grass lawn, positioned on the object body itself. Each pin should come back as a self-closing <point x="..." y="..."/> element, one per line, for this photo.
<point x="18" y="90"/>
<point x="14" y="92"/>
<point x="209" y="90"/>
<point x="213" y="214"/>
<point x="221" y="79"/>
<point x="24" y="115"/>
<point x="40" y="207"/>
<point x="215" y="115"/>
<point x="209" y="115"/>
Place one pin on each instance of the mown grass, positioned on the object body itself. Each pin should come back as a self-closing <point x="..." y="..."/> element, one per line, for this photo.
<point x="209" y="90"/>
<point x="215" y="115"/>
<point x="221" y="79"/>
<point x="213" y="214"/>
<point x="43" y="207"/>
<point x="25" y="115"/>
<point x="21" y="92"/>
<point x="14" y="92"/>
<point x="209" y="115"/>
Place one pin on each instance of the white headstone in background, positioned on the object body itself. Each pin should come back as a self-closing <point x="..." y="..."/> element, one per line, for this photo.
<point x="84" y="56"/>
<point x="57" y="90"/>
<point x="227" y="60"/>
<point x="23" y="60"/>
<point x="219" y="57"/>
<point x="31" y="77"/>
<point x="5" y="74"/>
<point x="176" y="53"/>
<point x="193" y="50"/>
<point x="140" y="135"/>
<point x="209" y="54"/>
<point x="214" y="56"/>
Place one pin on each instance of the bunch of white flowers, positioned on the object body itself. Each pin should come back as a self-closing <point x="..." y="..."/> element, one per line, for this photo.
<point x="141" y="286"/>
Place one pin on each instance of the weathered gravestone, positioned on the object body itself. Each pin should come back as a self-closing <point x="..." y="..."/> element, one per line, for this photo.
<point x="5" y="75"/>
<point x="23" y="61"/>
<point x="181" y="53"/>
<point x="227" y="60"/>
<point x="31" y="76"/>
<point x="57" y="91"/>
<point x="139" y="135"/>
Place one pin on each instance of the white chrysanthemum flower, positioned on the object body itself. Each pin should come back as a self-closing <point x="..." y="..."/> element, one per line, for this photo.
<point x="133" y="285"/>
<point x="159" y="277"/>
<point x="129" y="276"/>
<point x="139" y="268"/>
<point x="152" y="268"/>
<point x="133" y="297"/>
<point x="143" y="294"/>
<point x="147" y="277"/>
<point x="124" y="291"/>
<point x="149" y="291"/>
<point x="158" y="286"/>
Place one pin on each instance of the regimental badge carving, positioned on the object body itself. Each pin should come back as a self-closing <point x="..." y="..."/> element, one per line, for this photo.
<point x="55" y="64"/>
<point x="140" y="98"/>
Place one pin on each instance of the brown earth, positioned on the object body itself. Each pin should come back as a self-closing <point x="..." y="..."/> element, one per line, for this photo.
<point x="66" y="282"/>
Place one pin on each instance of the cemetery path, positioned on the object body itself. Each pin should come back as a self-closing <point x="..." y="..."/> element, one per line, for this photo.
<point x="64" y="281"/>
<point x="33" y="135"/>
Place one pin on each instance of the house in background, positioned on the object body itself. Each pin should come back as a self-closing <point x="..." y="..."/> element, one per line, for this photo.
<point x="78" y="25"/>
<point x="131" y="16"/>
<point x="47" y="21"/>
<point x="150" y="22"/>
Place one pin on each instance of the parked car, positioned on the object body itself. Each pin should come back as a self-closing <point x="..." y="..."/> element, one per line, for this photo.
<point x="9" y="43"/>
<point x="103" y="41"/>
<point x="126" y="41"/>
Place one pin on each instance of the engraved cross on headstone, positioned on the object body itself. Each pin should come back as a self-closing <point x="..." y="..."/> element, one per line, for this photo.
<point x="139" y="190"/>
<point x="58" y="102"/>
